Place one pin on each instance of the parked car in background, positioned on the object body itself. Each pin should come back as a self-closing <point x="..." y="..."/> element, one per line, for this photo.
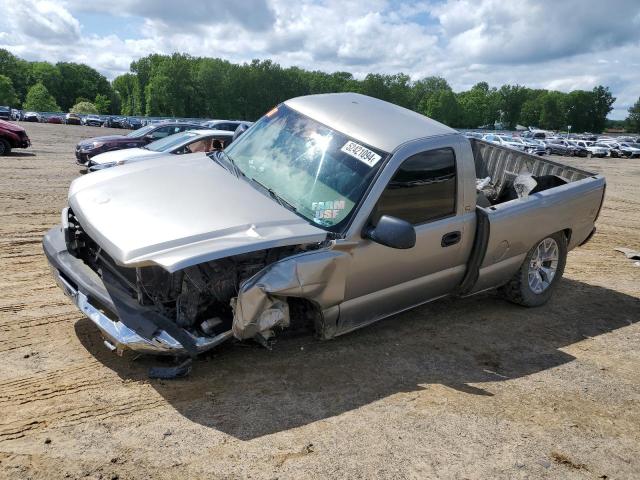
<point x="92" y="121"/>
<point x="505" y="141"/>
<point x="114" y="122"/>
<point x="592" y="149"/>
<point x="55" y="119"/>
<point x="72" y="119"/>
<point x="12" y="136"/>
<point x="611" y="152"/>
<point x="190" y="141"/>
<point x="536" y="134"/>
<point x="229" y="125"/>
<point x="90" y="147"/>
<point x="556" y="147"/>
<point x="533" y="146"/>
<point x="576" y="150"/>
<point x="31" y="117"/>
<point x="5" y="113"/>
<point x="132" y="123"/>
<point x="626" y="150"/>
<point x="477" y="135"/>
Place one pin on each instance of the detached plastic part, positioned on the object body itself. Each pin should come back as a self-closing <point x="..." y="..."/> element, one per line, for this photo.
<point x="169" y="373"/>
<point x="261" y="303"/>
<point x="523" y="184"/>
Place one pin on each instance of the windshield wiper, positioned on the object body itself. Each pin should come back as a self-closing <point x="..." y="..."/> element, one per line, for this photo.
<point x="275" y="196"/>
<point x="230" y="164"/>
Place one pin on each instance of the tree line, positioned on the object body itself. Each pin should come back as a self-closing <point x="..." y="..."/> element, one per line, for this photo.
<point x="48" y="87"/>
<point x="180" y="85"/>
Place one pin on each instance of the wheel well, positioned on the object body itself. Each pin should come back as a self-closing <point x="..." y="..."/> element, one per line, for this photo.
<point x="567" y="234"/>
<point x="305" y="315"/>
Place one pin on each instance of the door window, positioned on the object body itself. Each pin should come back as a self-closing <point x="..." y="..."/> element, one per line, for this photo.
<point x="163" y="132"/>
<point x="423" y="188"/>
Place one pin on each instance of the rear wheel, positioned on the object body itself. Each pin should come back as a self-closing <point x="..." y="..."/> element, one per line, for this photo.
<point x="534" y="282"/>
<point x="5" y="148"/>
<point x="548" y="150"/>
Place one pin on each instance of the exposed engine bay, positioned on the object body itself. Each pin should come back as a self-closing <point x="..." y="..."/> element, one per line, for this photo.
<point x="197" y="298"/>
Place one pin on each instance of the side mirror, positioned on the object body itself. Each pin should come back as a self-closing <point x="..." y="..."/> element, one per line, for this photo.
<point x="149" y="138"/>
<point x="392" y="232"/>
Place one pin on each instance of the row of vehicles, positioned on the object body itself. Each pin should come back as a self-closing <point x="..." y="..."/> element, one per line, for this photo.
<point x="625" y="147"/>
<point x="110" y="121"/>
<point x="329" y="213"/>
<point x="152" y="140"/>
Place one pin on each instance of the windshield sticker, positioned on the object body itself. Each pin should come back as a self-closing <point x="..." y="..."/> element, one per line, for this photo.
<point x="361" y="153"/>
<point x="329" y="209"/>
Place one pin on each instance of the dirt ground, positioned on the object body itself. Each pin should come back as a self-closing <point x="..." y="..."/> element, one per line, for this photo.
<point x="469" y="389"/>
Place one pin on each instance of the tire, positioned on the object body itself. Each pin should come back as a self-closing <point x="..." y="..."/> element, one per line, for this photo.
<point x="548" y="150"/>
<point x="589" y="155"/>
<point x="528" y="286"/>
<point x="5" y="148"/>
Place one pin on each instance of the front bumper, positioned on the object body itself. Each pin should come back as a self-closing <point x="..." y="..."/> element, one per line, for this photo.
<point x="82" y="156"/>
<point x="94" y="167"/>
<point x="122" y="321"/>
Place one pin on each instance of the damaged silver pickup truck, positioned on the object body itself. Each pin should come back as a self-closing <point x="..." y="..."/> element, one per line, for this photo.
<point x="331" y="212"/>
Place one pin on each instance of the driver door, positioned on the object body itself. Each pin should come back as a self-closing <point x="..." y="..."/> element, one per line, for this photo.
<point x="382" y="280"/>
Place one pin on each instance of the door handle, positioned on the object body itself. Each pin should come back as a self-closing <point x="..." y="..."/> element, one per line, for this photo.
<point x="450" y="238"/>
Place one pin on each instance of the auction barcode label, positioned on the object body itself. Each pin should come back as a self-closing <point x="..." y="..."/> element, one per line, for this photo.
<point x="361" y="153"/>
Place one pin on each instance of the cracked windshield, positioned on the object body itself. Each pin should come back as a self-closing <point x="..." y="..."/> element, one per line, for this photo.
<point x="319" y="172"/>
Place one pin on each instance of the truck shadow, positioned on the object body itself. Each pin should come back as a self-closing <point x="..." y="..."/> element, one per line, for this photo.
<point x="249" y="392"/>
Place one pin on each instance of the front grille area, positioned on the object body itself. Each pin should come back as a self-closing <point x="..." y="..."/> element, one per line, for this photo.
<point x="82" y="246"/>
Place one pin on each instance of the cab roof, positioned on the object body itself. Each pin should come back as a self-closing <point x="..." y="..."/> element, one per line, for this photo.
<point x="377" y="123"/>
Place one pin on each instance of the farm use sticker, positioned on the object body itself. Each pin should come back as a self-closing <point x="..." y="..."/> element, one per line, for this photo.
<point x="361" y="153"/>
<point x="330" y="209"/>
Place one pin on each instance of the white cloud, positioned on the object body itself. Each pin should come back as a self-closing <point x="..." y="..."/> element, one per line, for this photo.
<point x="43" y="21"/>
<point x="538" y="43"/>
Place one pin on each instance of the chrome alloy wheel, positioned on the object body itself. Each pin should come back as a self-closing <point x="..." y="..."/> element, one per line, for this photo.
<point x="543" y="265"/>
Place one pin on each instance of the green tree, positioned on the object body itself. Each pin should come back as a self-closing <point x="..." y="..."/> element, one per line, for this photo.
<point x="579" y="107"/>
<point x="102" y="103"/>
<point x="127" y="87"/>
<point x="156" y="96"/>
<point x="443" y="107"/>
<point x="530" y="112"/>
<point x="47" y="74"/>
<point x="633" y="120"/>
<point x="479" y="106"/>
<point x="40" y="100"/>
<point x="553" y="110"/>
<point x="424" y="89"/>
<point x="511" y="99"/>
<point x="7" y="92"/>
<point x="80" y="80"/>
<point x="16" y="69"/>
<point x="83" y="107"/>
<point x="602" y="104"/>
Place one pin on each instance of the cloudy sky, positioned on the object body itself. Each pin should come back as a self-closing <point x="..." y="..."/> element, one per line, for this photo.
<point x="557" y="44"/>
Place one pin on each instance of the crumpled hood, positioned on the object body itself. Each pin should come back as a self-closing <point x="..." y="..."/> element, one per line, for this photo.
<point x="125" y="154"/>
<point x="179" y="211"/>
<point x="12" y="127"/>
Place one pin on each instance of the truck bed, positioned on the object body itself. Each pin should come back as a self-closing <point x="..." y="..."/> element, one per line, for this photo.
<point x="502" y="165"/>
<point x="567" y="199"/>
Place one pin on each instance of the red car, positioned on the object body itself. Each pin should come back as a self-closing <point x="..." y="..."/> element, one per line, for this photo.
<point x="55" y="119"/>
<point x="12" y="136"/>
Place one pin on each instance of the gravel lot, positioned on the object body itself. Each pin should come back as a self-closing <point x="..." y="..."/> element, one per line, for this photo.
<point x="472" y="388"/>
